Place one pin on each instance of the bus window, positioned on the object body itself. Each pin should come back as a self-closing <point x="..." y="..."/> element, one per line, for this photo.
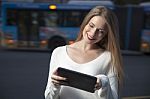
<point x="147" y="20"/>
<point x="52" y="18"/>
<point x="34" y="26"/>
<point x="73" y="18"/>
<point x="42" y="18"/>
<point x="22" y="24"/>
<point x="11" y="17"/>
<point x="28" y="26"/>
<point x="61" y="18"/>
<point x="48" y="18"/>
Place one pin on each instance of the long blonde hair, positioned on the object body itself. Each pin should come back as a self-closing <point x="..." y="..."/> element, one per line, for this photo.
<point x="110" y="41"/>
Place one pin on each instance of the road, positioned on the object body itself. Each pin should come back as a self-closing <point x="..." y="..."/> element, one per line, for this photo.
<point x="23" y="75"/>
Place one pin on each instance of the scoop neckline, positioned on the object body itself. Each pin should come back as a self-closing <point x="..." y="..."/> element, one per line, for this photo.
<point x="85" y="62"/>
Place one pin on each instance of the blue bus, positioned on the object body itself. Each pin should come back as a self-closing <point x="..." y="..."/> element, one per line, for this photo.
<point x="145" y="35"/>
<point x="42" y="25"/>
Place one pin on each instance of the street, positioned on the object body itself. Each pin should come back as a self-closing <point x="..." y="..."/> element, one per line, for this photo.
<point x="23" y="74"/>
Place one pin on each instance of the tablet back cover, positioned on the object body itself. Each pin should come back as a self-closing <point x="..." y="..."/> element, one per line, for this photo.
<point x="78" y="80"/>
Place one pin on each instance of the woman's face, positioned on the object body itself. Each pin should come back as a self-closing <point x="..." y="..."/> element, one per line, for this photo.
<point x="95" y="30"/>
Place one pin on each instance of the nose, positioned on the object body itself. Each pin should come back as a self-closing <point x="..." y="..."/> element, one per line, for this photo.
<point x="93" y="31"/>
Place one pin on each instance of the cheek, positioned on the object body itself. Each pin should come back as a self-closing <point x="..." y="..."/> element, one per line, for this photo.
<point x="100" y="37"/>
<point x="85" y="30"/>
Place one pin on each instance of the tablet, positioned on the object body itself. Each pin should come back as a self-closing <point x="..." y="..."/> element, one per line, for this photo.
<point x="78" y="80"/>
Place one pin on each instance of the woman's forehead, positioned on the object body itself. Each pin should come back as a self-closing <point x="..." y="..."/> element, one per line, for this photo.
<point x="98" y="21"/>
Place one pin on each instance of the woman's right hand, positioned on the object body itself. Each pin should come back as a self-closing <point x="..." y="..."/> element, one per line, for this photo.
<point x="58" y="80"/>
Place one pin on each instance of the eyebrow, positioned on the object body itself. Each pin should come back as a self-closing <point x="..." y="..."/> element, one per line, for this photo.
<point x="97" y="28"/>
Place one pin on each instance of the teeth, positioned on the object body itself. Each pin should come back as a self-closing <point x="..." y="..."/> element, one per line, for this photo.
<point x="89" y="37"/>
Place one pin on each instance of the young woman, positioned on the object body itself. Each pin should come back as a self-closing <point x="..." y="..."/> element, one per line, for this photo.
<point x="96" y="52"/>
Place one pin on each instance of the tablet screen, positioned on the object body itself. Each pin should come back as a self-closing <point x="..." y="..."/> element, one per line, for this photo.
<point x="77" y="79"/>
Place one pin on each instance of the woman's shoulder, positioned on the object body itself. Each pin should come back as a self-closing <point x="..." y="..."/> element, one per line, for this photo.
<point x="59" y="49"/>
<point x="107" y="54"/>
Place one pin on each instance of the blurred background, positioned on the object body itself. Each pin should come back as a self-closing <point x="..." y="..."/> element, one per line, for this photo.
<point x="31" y="29"/>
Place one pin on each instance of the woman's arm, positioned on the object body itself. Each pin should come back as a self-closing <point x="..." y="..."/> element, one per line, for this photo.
<point x="109" y="85"/>
<point x="52" y="91"/>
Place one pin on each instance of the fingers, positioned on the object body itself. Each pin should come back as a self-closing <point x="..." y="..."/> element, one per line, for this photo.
<point x="97" y="87"/>
<point x="58" y="80"/>
<point x="56" y="77"/>
<point x="55" y="82"/>
<point x="98" y="84"/>
<point x="55" y="72"/>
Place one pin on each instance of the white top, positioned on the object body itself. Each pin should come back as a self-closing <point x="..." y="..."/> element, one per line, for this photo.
<point x="99" y="67"/>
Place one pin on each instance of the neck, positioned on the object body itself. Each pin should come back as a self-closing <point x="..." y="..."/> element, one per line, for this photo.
<point x="85" y="47"/>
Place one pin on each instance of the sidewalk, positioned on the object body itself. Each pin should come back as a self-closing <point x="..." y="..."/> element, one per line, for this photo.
<point x="26" y="49"/>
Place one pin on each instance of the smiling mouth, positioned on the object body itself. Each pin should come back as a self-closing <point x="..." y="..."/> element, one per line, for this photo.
<point x="89" y="37"/>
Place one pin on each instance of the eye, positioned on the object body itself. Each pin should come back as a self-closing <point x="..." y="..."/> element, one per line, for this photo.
<point x="102" y="31"/>
<point x="92" y="26"/>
